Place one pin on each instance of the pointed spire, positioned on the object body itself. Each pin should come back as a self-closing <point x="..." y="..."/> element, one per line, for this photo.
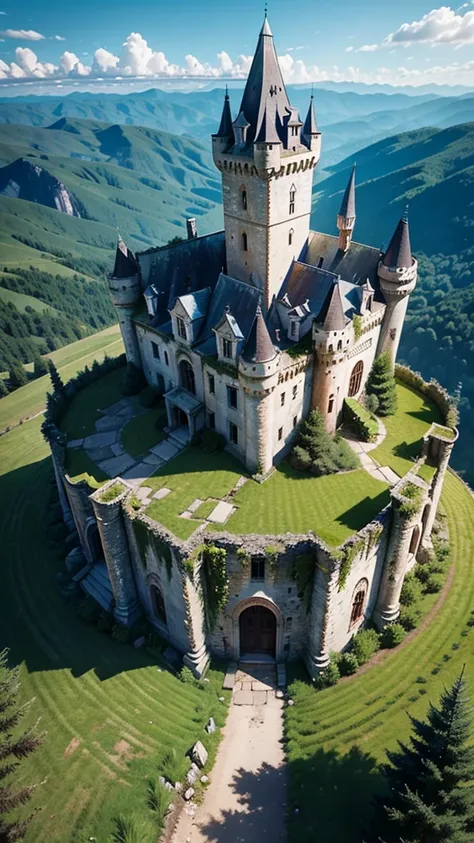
<point x="125" y="263"/>
<point x="268" y="132"/>
<point x="259" y="347"/>
<point x="347" y="209"/>
<point x="399" y="253"/>
<point x="310" y="127"/>
<point x="335" y="319"/>
<point x="265" y="30"/>
<point x="225" y="129"/>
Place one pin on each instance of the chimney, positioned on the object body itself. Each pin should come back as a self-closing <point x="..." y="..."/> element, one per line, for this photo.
<point x="191" y="227"/>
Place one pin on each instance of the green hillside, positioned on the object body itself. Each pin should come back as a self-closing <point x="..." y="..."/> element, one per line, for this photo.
<point x="140" y="181"/>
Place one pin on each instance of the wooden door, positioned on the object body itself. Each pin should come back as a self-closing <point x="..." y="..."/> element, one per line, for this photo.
<point x="257" y="631"/>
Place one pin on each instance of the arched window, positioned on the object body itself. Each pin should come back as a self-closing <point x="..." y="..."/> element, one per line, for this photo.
<point x="356" y="379"/>
<point x="331" y="349"/>
<point x="243" y="195"/>
<point x="244" y="242"/>
<point x="415" y="540"/>
<point x="358" y="601"/>
<point x="339" y="345"/>
<point x="290" y="236"/>
<point x="331" y="404"/>
<point x="292" y="199"/>
<point x="157" y="602"/>
<point x="186" y="376"/>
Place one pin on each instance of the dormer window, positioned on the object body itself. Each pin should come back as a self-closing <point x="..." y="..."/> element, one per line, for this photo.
<point x="244" y="242"/>
<point x="294" y="131"/>
<point x="181" y="328"/>
<point x="292" y="199"/>
<point x="244" y="198"/>
<point x="227" y="348"/>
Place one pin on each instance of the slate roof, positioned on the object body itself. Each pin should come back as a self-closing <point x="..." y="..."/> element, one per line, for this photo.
<point x="335" y="319"/>
<point x="347" y="208"/>
<point x="240" y="298"/>
<point x="225" y="129"/>
<point x="356" y="265"/>
<point x="315" y="286"/>
<point x="399" y="253"/>
<point x="259" y="347"/>
<point x="125" y="263"/>
<point x="196" y="304"/>
<point x="310" y="127"/>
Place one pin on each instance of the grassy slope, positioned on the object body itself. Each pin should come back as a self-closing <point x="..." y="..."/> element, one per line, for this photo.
<point x="30" y="399"/>
<point x="336" y="738"/>
<point x="87" y="689"/>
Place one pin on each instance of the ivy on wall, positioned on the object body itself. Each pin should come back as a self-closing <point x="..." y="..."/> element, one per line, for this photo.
<point x="357" y="325"/>
<point x="413" y="499"/>
<point x="216" y="583"/>
<point x="303" y="574"/>
<point x="145" y="538"/>
<point x="348" y="555"/>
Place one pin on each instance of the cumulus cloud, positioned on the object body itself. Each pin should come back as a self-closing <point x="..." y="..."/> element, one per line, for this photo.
<point x="104" y="62"/>
<point x="23" y="34"/>
<point x="58" y="38"/>
<point x="439" y="26"/>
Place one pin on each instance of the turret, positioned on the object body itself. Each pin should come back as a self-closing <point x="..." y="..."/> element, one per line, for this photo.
<point x="347" y="214"/>
<point x="331" y="338"/>
<point x="224" y="137"/>
<point x="267" y="146"/>
<point x="311" y="135"/>
<point x="398" y="272"/>
<point x="125" y="289"/>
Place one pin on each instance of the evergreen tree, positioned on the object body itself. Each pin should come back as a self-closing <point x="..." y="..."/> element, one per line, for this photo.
<point x="56" y="380"/>
<point x="381" y="383"/>
<point x="318" y="452"/>
<point x="3" y="388"/>
<point x="17" y="375"/>
<point x="430" y="780"/>
<point x="40" y="367"/>
<point x="13" y="748"/>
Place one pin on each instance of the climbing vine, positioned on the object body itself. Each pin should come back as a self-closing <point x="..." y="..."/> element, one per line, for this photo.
<point x="272" y="553"/>
<point x="244" y="557"/>
<point x="357" y="324"/>
<point x="374" y="536"/>
<point x="349" y="553"/>
<point x="303" y="574"/>
<point x="145" y="538"/>
<point x="216" y="583"/>
<point x="413" y="497"/>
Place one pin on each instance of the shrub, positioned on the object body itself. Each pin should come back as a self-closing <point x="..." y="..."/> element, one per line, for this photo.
<point x="422" y="572"/>
<point x="133" y="380"/>
<point x="317" y="452"/>
<point x="434" y="583"/>
<point x="149" y="397"/>
<point x="411" y="590"/>
<point x="212" y="441"/>
<point x="365" y="644"/>
<point x="360" y="420"/>
<point x="381" y="382"/>
<point x="328" y="677"/>
<point x="121" y="634"/>
<point x="40" y="367"/>
<point x="371" y="402"/>
<point x="186" y="676"/>
<point x="409" y="617"/>
<point x="348" y="664"/>
<point x="393" y="635"/>
<point x="17" y="376"/>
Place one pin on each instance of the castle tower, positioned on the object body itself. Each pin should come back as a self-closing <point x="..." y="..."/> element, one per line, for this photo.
<point x="398" y="272"/>
<point x="258" y="373"/>
<point x="266" y="163"/>
<point x="124" y="285"/>
<point x="347" y="214"/>
<point x="330" y="344"/>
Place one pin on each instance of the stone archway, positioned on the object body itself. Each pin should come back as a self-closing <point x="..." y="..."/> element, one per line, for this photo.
<point x="93" y="544"/>
<point x="257" y="628"/>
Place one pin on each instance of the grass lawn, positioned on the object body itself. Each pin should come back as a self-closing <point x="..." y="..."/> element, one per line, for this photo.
<point x="143" y="432"/>
<point x="31" y="398"/>
<point x="82" y="413"/>
<point x="336" y="738"/>
<point x="90" y="692"/>
<point x="205" y="509"/>
<point x="405" y="430"/>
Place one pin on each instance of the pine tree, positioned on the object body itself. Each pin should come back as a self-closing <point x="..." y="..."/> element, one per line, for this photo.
<point x="40" y="367"/>
<point x="381" y="383"/>
<point x="318" y="452"/>
<point x="3" y="388"/>
<point x="17" y="375"/>
<point x="56" y="380"/>
<point x="13" y="748"/>
<point x="430" y="780"/>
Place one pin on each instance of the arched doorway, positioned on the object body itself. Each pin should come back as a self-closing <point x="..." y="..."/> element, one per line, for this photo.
<point x="93" y="542"/>
<point x="186" y="376"/>
<point x="257" y="627"/>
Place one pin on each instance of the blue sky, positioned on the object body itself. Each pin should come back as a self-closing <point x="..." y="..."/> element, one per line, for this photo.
<point x="411" y="43"/>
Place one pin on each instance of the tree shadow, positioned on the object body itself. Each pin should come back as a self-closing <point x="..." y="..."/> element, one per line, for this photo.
<point x="364" y="511"/>
<point x="408" y="450"/>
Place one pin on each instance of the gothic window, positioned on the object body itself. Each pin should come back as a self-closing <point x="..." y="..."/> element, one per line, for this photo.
<point x="257" y="569"/>
<point x="158" y="603"/>
<point x="155" y="350"/>
<point x="358" y="601"/>
<point x="181" y="327"/>
<point x="339" y="345"/>
<point x="212" y="384"/>
<point x="226" y="348"/>
<point x="233" y="433"/>
<point x="186" y="376"/>
<point x="331" y="404"/>
<point x="356" y="379"/>
<point x="245" y="247"/>
<point x="292" y="199"/>
<point x="244" y="198"/>
<point x="290" y="236"/>
<point x="232" y="397"/>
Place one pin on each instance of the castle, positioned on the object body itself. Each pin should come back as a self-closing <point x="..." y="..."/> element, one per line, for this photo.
<point x="245" y="331"/>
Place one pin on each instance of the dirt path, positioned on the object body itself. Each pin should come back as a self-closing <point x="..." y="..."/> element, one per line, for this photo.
<point x="245" y="802"/>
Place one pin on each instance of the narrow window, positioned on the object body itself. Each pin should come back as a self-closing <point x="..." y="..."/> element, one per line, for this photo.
<point x="290" y="236"/>
<point x="158" y="603"/>
<point x="282" y="399"/>
<point x="288" y="624"/>
<point x="226" y="348"/>
<point x="292" y="199"/>
<point x="280" y="434"/>
<point x="167" y="358"/>
<point x="232" y="397"/>
<point x="295" y="390"/>
<point x="156" y="350"/>
<point x="244" y="199"/>
<point x="294" y="131"/>
<point x="212" y="384"/>
<point x="257" y="571"/>
<point x="244" y="242"/>
<point x="181" y="327"/>
<point x="320" y="262"/>
<point x="295" y="421"/>
<point x="358" y="601"/>
<point x="339" y="345"/>
<point x="233" y="433"/>
<point x="211" y="418"/>
<point x="331" y="404"/>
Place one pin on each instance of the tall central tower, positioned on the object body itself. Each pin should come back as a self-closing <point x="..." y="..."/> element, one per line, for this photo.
<point x="266" y="157"/>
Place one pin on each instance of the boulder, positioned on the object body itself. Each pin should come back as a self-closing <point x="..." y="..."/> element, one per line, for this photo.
<point x="189" y="793"/>
<point x="204" y="779"/>
<point x="211" y="726"/>
<point x="193" y="773"/>
<point x="199" y="754"/>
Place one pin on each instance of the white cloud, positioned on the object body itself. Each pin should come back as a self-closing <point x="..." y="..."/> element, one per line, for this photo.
<point x="23" y="34"/>
<point x="72" y="66"/>
<point x="104" y="61"/>
<point x="58" y="38"/>
<point x="439" y="26"/>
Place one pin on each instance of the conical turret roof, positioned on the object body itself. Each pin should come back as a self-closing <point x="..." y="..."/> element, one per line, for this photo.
<point x="335" y="319"/>
<point x="347" y="209"/>
<point x="259" y="347"/>
<point x="310" y="127"/>
<point x="125" y="263"/>
<point x="225" y="129"/>
<point x="264" y="80"/>
<point x="399" y="253"/>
